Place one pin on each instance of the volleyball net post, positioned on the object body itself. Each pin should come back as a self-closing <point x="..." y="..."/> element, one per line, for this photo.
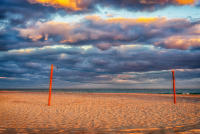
<point x="173" y="78"/>
<point x="50" y="85"/>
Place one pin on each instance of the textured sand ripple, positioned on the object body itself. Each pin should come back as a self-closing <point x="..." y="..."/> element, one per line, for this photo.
<point x="103" y="113"/>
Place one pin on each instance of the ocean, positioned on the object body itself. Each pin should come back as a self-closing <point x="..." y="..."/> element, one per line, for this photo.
<point x="153" y="91"/>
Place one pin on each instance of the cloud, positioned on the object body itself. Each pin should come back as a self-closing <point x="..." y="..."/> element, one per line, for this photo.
<point x="74" y="65"/>
<point x="186" y="2"/>
<point x="105" y="33"/>
<point x="104" y="46"/>
<point x="73" y="5"/>
<point x="119" y="52"/>
<point x="87" y="5"/>
<point x="3" y="77"/>
<point x="41" y="30"/>
<point x="180" y="42"/>
<point x="18" y="12"/>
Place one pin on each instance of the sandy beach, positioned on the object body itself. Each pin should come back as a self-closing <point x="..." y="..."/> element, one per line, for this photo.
<point x="27" y="112"/>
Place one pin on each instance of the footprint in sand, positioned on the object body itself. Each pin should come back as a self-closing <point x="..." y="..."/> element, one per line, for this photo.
<point x="2" y="130"/>
<point x="61" y="131"/>
<point x="21" y="131"/>
<point x="36" y="130"/>
<point x="196" y="131"/>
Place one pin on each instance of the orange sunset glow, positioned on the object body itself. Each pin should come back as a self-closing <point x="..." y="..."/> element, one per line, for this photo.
<point x="185" y="2"/>
<point x="71" y="4"/>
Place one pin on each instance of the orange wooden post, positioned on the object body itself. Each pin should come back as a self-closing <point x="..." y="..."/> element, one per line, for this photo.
<point x="174" y="86"/>
<point x="50" y="85"/>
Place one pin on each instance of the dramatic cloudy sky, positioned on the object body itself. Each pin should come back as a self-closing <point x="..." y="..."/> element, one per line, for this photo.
<point x="99" y="43"/>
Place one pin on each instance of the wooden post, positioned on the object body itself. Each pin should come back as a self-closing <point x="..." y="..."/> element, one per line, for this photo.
<point x="173" y="77"/>
<point x="50" y="85"/>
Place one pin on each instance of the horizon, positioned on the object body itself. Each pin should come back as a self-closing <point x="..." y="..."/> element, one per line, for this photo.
<point x="99" y="88"/>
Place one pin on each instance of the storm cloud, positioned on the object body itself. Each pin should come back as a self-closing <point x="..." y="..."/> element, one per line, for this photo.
<point x="78" y="65"/>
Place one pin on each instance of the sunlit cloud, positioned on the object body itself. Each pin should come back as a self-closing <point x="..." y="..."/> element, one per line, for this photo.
<point x="186" y="2"/>
<point x="3" y="77"/>
<point x="105" y="33"/>
<point x="26" y="50"/>
<point x="180" y="42"/>
<point x="74" y="5"/>
<point x="84" y="5"/>
<point x="137" y="20"/>
<point x="86" y="47"/>
<point x="30" y="50"/>
<point x="63" y="56"/>
<point x="13" y="78"/>
<point x="188" y="70"/>
<point x="47" y="48"/>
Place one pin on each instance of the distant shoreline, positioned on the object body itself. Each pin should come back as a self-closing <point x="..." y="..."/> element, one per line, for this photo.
<point x="146" y="91"/>
<point x="104" y="93"/>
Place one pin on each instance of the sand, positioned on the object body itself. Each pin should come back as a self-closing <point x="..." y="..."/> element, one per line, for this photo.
<point x="27" y="112"/>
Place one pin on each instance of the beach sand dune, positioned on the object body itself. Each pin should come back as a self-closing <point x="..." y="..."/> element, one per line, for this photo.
<point x="27" y="112"/>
